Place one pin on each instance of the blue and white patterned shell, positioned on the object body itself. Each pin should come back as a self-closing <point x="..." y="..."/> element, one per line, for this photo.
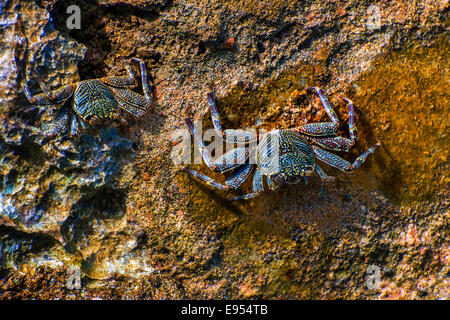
<point x="285" y="153"/>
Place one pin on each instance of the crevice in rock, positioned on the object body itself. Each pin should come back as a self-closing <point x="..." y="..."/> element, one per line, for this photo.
<point x="95" y="215"/>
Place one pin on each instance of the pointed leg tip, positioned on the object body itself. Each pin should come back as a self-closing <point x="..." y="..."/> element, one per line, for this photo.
<point x="186" y="169"/>
<point x="345" y="99"/>
<point x="316" y="89"/>
<point x="188" y="122"/>
<point x="237" y="198"/>
<point x="136" y="59"/>
<point x="210" y="98"/>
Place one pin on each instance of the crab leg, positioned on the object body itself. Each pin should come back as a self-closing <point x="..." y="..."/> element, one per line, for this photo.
<point x="54" y="128"/>
<point x="322" y="128"/>
<point x="326" y="104"/>
<point x="231" y="159"/>
<point x="233" y="182"/>
<point x="341" y="143"/>
<point x="26" y="127"/>
<point x="206" y="179"/>
<point x="199" y="141"/>
<point x="229" y="135"/>
<point x="43" y="86"/>
<point x="73" y="125"/>
<point x="257" y="187"/>
<point x="339" y="163"/>
<point x="228" y="161"/>
<point x="59" y="124"/>
<point x="130" y="80"/>
<point x="131" y="101"/>
<point x="318" y="129"/>
<point x="334" y="143"/>
<point x="49" y="98"/>
<point x="121" y="81"/>
<point x="131" y="109"/>
<point x="322" y="173"/>
<point x="144" y="77"/>
<point x="239" y="175"/>
<point x="351" y="120"/>
<point x="360" y="160"/>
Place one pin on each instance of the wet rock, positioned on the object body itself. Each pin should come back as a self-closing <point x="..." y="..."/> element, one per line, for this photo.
<point x="30" y="42"/>
<point x="44" y="181"/>
<point x="23" y="251"/>
<point x="38" y="190"/>
<point x="310" y="240"/>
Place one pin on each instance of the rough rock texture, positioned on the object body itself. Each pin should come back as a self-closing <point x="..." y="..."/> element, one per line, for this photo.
<point x="112" y="204"/>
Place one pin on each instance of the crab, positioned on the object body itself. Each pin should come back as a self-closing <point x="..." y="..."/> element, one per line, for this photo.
<point x="281" y="156"/>
<point x="93" y="100"/>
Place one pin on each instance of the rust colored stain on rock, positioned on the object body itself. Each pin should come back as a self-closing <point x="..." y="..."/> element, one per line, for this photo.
<point x="148" y="231"/>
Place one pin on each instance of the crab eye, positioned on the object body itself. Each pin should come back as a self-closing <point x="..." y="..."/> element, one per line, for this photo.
<point x="309" y="169"/>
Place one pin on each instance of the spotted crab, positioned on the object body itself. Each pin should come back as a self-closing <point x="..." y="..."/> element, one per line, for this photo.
<point x="282" y="156"/>
<point x="92" y="101"/>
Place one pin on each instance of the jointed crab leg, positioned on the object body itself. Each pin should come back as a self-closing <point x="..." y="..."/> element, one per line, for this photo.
<point x="360" y="160"/>
<point x="322" y="128"/>
<point x="130" y="79"/>
<point x="351" y="121"/>
<point x="49" y="98"/>
<point x="229" y="135"/>
<point x="119" y="83"/>
<point x="341" y="143"/>
<point x="55" y="127"/>
<point x="43" y="86"/>
<point x="233" y="182"/>
<point x="26" y="127"/>
<point x="131" y="101"/>
<point x="318" y="130"/>
<point x="257" y="187"/>
<point x="230" y="160"/>
<point x="326" y="104"/>
<point x="333" y="143"/>
<point x="199" y="141"/>
<point x="144" y="78"/>
<point x="73" y="125"/>
<point x="60" y="122"/>
<point x="239" y="175"/>
<point x="337" y="162"/>
<point x="206" y="179"/>
<point x="322" y="173"/>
